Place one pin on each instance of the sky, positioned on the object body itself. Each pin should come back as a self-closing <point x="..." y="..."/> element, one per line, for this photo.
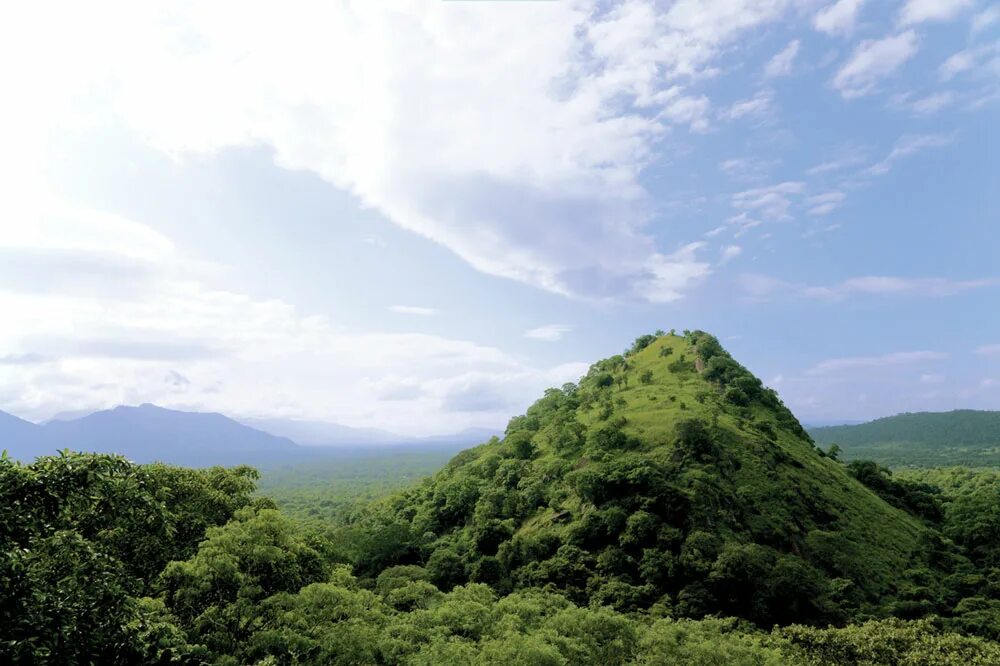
<point x="419" y="215"/>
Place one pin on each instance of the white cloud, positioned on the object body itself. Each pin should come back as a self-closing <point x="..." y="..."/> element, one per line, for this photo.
<point x="729" y="253"/>
<point x="872" y="61"/>
<point x="178" y="341"/>
<point x="983" y="62"/>
<point x="772" y="202"/>
<point x="762" y="287"/>
<point x="907" y="145"/>
<point x="782" y="62"/>
<point x="847" y="157"/>
<point x="956" y="64"/>
<point x="865" y="362"/>
<point x="548" y="333"/>
<point x="669" y="276"/>
<point x="826" y="203"/>
<point x="413" y="310"/>
<point x="932" y="103"/>
<point x="919" y="11"/>
<point x="746" y="168"/>
<point x="985" y="18"/>
<point x="755" y="106"/>
<point x="931" y="378"/>
<point x="390" y="102"/>
<point x="838" y="18"/>
<point x="989" y="350"/>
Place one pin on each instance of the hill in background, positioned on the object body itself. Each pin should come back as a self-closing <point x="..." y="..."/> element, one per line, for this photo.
<point x="922" y="439"/>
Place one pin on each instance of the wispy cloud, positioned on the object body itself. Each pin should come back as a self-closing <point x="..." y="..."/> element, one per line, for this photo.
<point x="981" y="60"/>
<point x="986" y="18"/>
<point x="908" y="145"/>
<point x="838" y="18"/>
<point x="989" y="350"/>
<point x="773" y="201"/>
<point x="836" y="365"/>
<point x="764" y="287"/>
<point x="919" y="11"/>
<point x="730" y="252"/>
<point x="845" y="158"/>
<point x="548" y="332"/>
<point x="928" y="104"/>
<point x="755" y="106"/>
<point x="872" y="61"/>
<point x="826" y="203"/>
<point x="783" y="61"/>
<point x="413" y="310"/>
<point x="747" y="169"/>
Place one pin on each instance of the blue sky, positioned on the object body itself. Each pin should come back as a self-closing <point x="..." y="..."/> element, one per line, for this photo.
<point x="419" y="216"/>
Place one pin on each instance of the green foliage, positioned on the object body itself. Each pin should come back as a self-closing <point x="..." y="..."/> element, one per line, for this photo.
<point x="888" y="642"/>
<point x="707" y="643"/>
<point x="82" y="536"/>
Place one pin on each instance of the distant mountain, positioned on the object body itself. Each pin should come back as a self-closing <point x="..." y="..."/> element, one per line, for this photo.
<point x="463" y="438"/>
<point x="21" y="439"/>
<point x="326" y="434"/>
<point x="70" y="415"/>
<point x="147" y="433"/>
<point x="322" y="433"/>
<point x="921" y="439"/>
<point x="832" y="422"/>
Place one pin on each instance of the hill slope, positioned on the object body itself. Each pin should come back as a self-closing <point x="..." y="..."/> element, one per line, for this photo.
<point x="669" y="476"/>
<point x="922" y="439"/>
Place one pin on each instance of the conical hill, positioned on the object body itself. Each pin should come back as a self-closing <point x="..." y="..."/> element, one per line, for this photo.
<point x="669" y="478"/>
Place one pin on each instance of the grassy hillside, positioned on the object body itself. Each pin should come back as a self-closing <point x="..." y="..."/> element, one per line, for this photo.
<point x="923" y="439"/>
<point x="668" y="477"/>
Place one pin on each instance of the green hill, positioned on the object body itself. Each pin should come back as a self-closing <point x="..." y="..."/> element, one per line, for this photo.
<point x="670" y="477"/>
<point x="922" y="439"/>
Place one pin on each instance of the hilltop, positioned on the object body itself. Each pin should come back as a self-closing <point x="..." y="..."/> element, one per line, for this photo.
<point x="668" y="477"/>
<point x="921" y="439"/>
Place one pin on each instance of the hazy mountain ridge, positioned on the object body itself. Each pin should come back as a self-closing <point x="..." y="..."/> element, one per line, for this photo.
<point x="147" y="432"/>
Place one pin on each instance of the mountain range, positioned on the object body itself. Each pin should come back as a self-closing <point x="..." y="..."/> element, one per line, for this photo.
<point x="148" y="433"/>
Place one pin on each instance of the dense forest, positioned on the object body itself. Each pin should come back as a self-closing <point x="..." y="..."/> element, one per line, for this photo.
<point x="923" y="439"/>
<point x="666" y="509"/>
